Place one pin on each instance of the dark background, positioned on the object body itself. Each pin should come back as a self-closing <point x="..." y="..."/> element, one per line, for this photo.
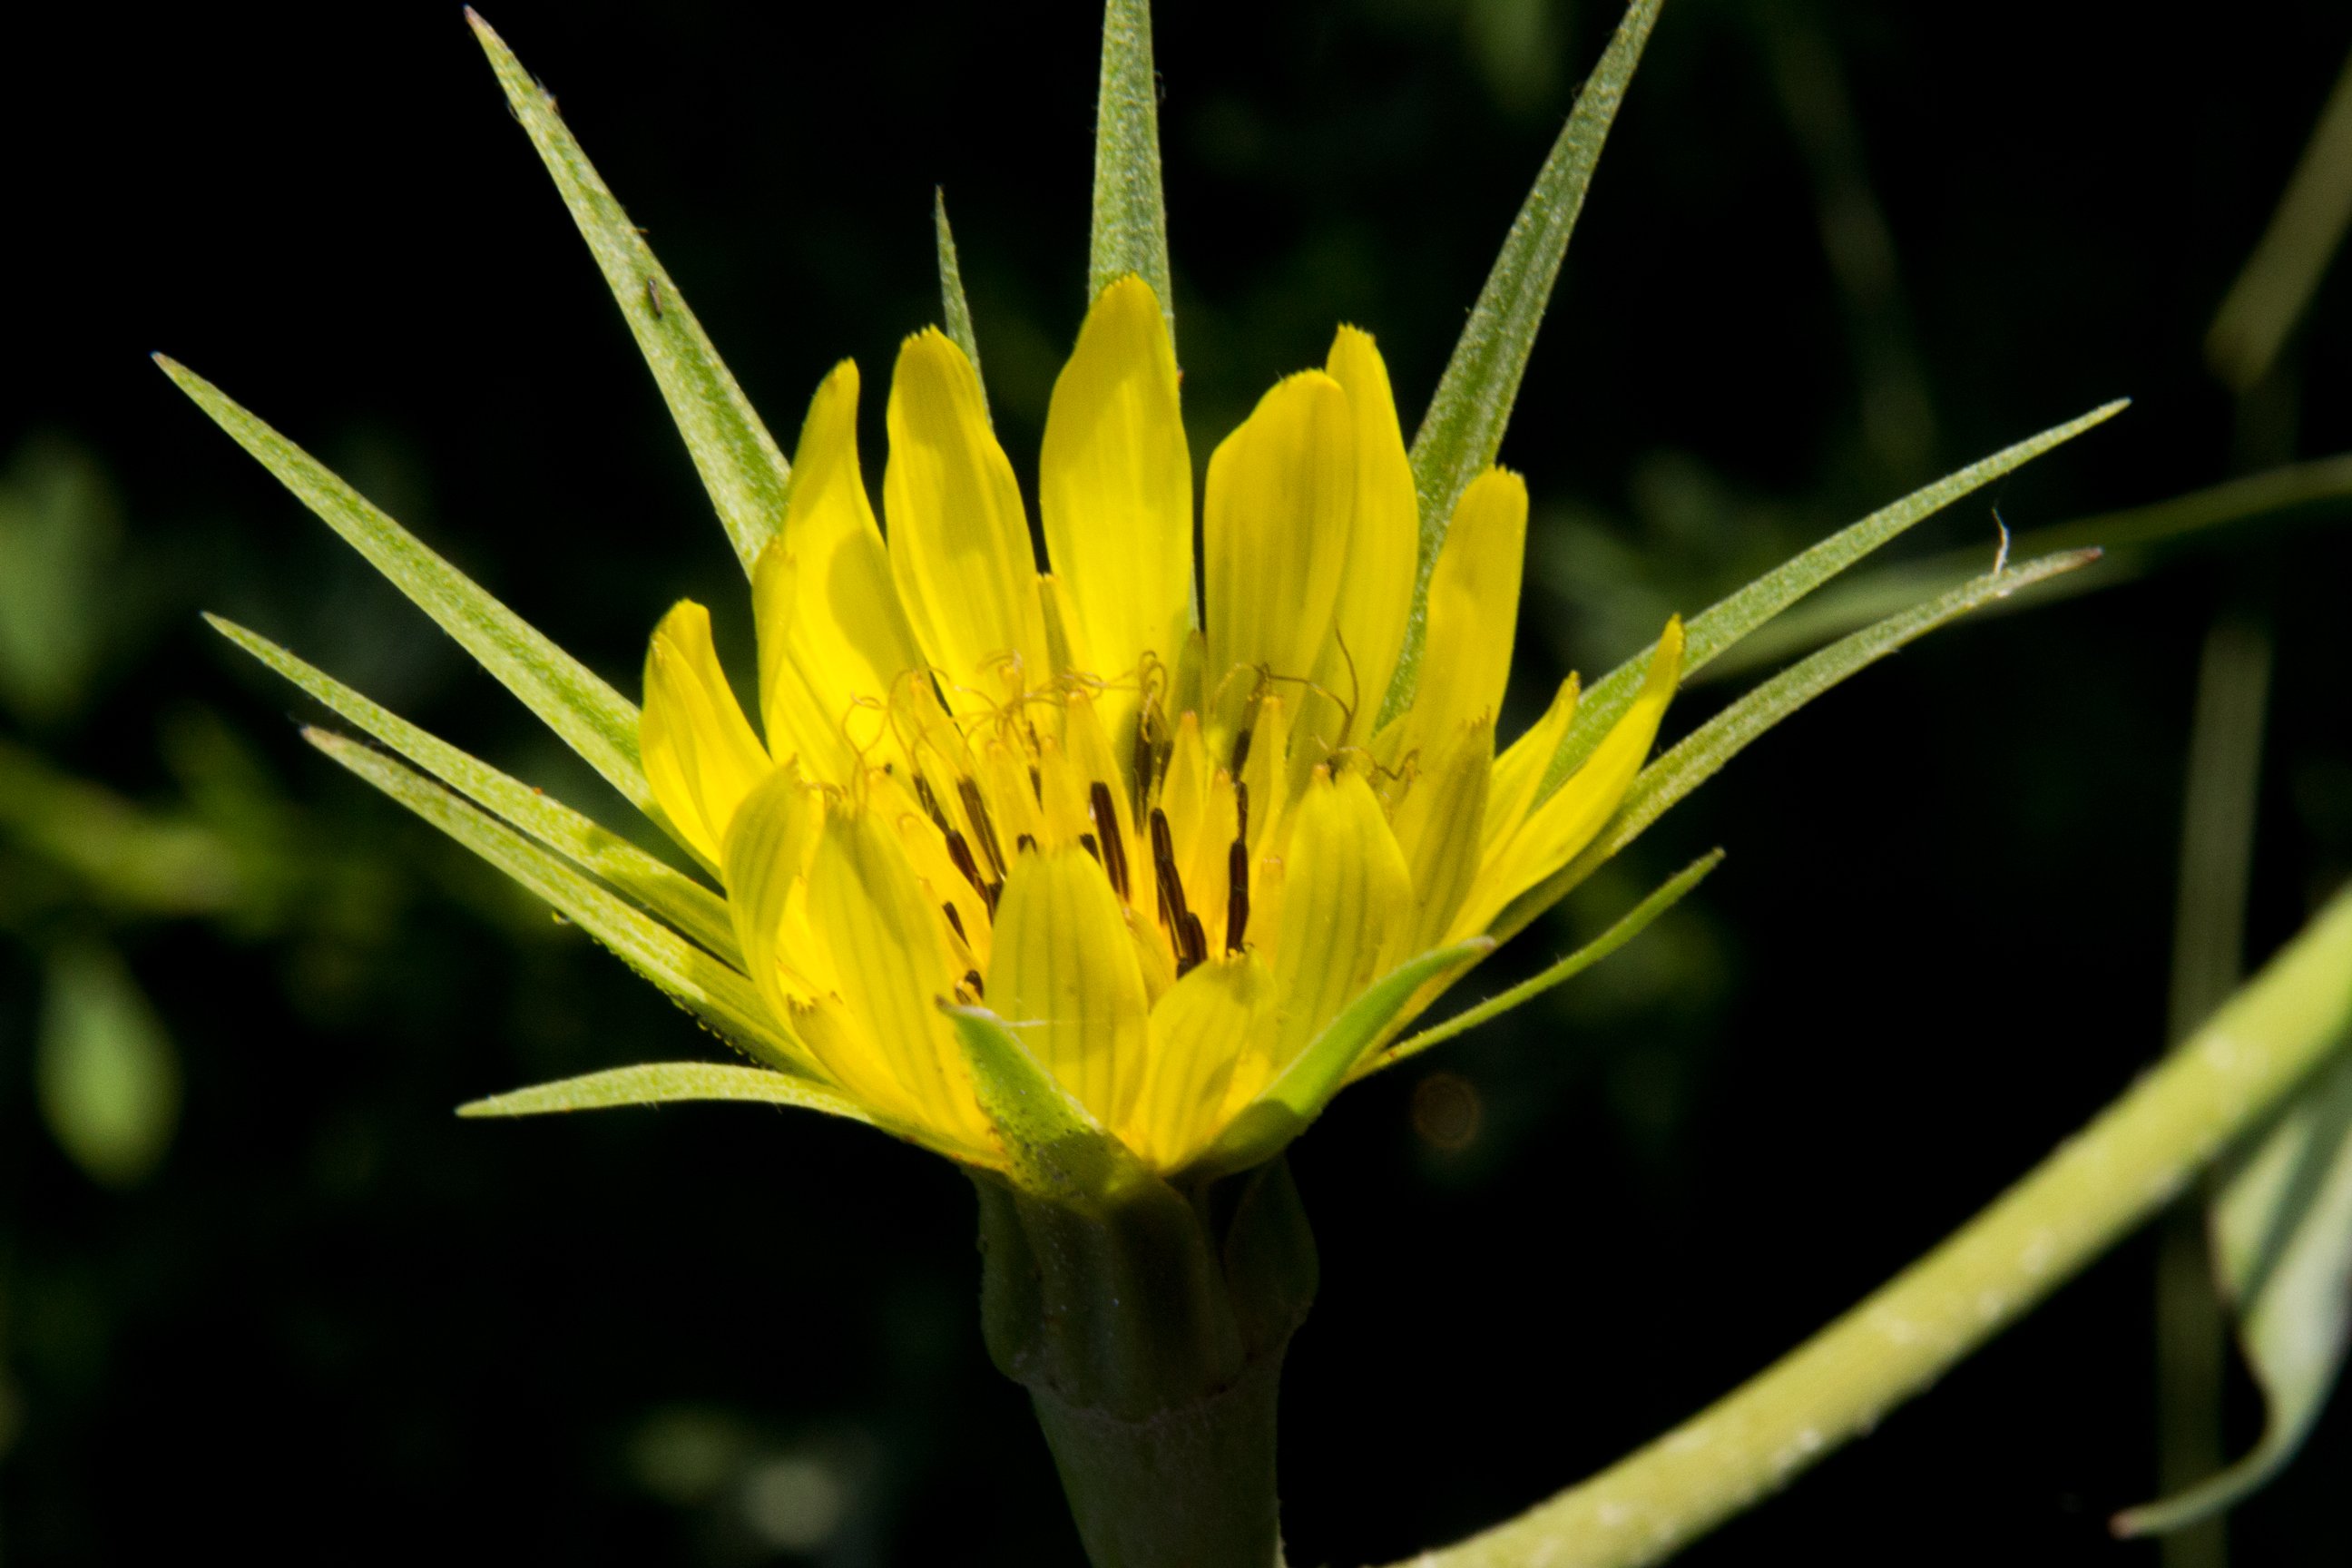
<point x="338" y="1324"/>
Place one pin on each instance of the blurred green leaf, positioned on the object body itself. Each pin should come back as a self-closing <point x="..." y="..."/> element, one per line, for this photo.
<point x="712" y="990"/>
<point x="1463" y="429"/>
<point x="2282" y="1233"/>
<point x="1701" y="753"/>
<point x="665" y="1083"/>
<point x="740" y="465"/>
<point x="592" y="717"/>
<point x="60" y="526"/>
<point x="109" y="1078"/>
<point x="1734" y="617"/>
<point x="953" y="307"/>
<point x="1130" y="211"/>
<point x="1289" y="1105"/>
<point x="116" y="853"/>
<point x="668" y="894"/>
<point x="1631" y="925"/>
<point x="2279" y="277"/>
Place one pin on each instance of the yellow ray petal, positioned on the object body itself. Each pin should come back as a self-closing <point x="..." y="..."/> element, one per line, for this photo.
<point x="1383" y="545"/>
<point x="959" y="538"/>
<point x="1474" y="607"/>
<point x="887" y="950"/>
<point x="1562" y="826"/>
<point x="1065" y="978"/>
<point x="827" y="609"/>
<point x="700" y="755"/>
<point x="934" y="866"/>
<point x="1066" y="638"/>
<point x="1208" y="1025"/>
<point x="1437" y="830"/>
<point x="1281" y="494"/>
<point x="1347" y="886"/>
<point x="1263" y="780"/>
<point x="1114" y="486"/>
<point x="1519" y="771"/>
<point x="767" y="853"/>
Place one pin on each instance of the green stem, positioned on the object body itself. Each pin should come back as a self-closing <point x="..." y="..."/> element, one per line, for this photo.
<point x="1150" y="1330"/>
<point x="2220" y="1086"/>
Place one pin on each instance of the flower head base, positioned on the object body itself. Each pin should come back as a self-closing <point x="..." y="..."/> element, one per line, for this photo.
<point x="1170" y="851"/>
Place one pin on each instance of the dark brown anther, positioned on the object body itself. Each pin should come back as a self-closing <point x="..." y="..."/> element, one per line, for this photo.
<point x="1026" y="844"/>
<point x="1036" y="784"/>
<point x="956" y="920"/>
<point x="1240" y="808"/>
<point x="973" y="983"/>
<point x="1114" y="848"/>
<point x="1088" y="843"/>
<point x="992" y="892"/>
<point x="1191" y="945"/>
<point x="1241" y="749"/>
<point x="931" y="802"/>
<point x="975" y="806"/>
<point x="1184" y="929"/>
<point x="1144" y="754"/>
<point x="1236" y="895"/>
<point x="959" y="852"/>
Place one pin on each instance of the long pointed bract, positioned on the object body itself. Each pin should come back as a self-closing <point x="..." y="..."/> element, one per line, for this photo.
<point x="740" y="462"/>
<point x="1703" y="753"/>
<point x="668" y="894"/>
<point x="666" y="1083"/>
<point x="1290" y="1103"/>
<point x="592" y="717"/>
<point x="1131" y="216"/>
<point x="1053" y="1147"/>
<point x="698" y="982"/>
<point x="1732" y="617"/>
<point x="1633" y="924"/>
<point x="1462" y="430"/>
<point x="955" y="311"/>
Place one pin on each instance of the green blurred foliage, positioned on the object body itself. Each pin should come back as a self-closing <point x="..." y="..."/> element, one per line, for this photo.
<point x="108" y="1079"/>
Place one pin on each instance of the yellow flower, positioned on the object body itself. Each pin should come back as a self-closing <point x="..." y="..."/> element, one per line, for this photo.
<point x="1170" y="839"/>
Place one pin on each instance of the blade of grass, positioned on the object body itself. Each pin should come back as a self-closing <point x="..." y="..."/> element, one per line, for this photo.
<point x="1631" y="924"/>
<point x="2279" y="277"/>
<point x="592" y="717"/>
<point x="1463" y="429"/>
<point x="2122" y="1168"/>
<point x="1729" y="619"/>
<point x="714" y="993"/>
<point x="1703" y="753"/>
<point x="1131" y="212"/>
<point x="740" y="462"/>
<point x="953" y="306"/>
<point x="666" y="1083"/>
<point x="2283" y="1229"/>
<point x="668" y="894"/>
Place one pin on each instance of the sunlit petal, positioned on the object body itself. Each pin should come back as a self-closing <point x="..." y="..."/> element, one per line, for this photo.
<point x="959" y="540"/>
<point x="701" y="757"/>
<point x="1281" y="494"/>
<point x="1114" y="487"/>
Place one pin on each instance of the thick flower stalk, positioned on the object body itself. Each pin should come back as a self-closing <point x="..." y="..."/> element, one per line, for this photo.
<point x="1170" y="851"/>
